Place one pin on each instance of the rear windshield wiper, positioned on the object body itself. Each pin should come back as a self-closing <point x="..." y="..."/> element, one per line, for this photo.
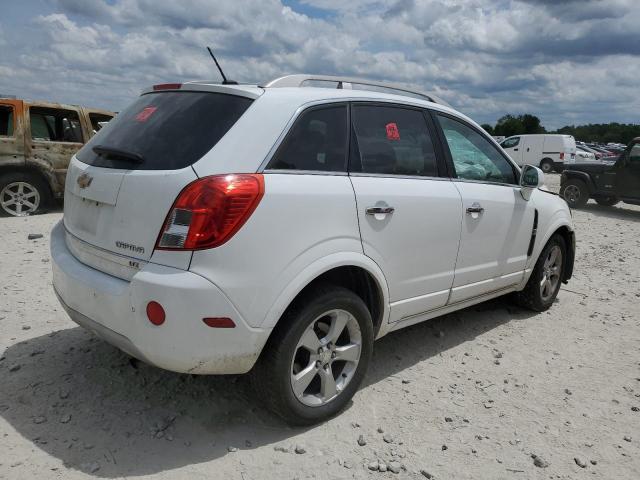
<point x="118" y="153"/>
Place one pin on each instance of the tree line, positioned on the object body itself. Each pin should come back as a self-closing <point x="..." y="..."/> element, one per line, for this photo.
<point x="509" y="125"/>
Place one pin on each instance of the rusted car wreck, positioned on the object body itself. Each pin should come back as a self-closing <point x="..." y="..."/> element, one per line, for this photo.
<point x="37" y="140"/>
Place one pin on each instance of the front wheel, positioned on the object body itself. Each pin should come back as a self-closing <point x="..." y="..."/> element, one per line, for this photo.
<point x="316" y="358"/>
<point x="544" y="284"/>
<point x="575" y="193"/>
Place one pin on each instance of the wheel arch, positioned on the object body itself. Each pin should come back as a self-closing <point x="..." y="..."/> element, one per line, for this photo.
<point x="576" y="175"/>
<point x="358" y="274"/>
<point x="568" y="235"/>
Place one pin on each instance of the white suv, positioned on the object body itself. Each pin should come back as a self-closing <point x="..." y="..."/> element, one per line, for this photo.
<point x="217" y="228"/>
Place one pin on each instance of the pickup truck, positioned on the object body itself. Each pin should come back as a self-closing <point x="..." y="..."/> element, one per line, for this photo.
<point x="37" y="141"/>
<point x="607" y="182"/>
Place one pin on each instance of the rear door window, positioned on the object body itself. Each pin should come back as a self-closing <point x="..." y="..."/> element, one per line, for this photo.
<point x="392" y="141"/>
<point x="6" y="121"/>
<point x="164" y="130"/>
<point x="316" y="142"/>
<point x="55" y="125"/>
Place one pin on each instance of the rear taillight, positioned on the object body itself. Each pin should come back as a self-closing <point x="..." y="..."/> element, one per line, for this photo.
<point x="561" y="155"/>
<point x="209" y="211"/>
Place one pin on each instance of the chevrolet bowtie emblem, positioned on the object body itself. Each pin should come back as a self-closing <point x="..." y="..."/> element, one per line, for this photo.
<point x="84" y="180"/>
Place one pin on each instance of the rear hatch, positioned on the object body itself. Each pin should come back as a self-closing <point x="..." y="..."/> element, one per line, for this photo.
<point x="122" y="183"/>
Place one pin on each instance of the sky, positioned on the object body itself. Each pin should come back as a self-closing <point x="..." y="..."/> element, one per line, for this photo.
<point x="566" y="61"/>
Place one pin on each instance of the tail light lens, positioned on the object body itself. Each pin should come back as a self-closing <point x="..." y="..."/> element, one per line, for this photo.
<point x="561" y="155"/>
<point x="209" y="211"/>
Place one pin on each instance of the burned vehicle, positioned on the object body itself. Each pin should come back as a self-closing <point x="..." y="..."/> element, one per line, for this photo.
<point x="37" y="141"/>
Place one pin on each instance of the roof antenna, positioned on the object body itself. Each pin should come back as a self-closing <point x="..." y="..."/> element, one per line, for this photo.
<point x="224" y="78"/>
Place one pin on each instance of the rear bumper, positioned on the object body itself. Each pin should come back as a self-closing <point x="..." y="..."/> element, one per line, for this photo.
<point x="115" y="310"/>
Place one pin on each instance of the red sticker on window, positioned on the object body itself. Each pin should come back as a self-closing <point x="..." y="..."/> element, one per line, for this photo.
<point x="146" y="112"/>
<point x="392" y="131"/>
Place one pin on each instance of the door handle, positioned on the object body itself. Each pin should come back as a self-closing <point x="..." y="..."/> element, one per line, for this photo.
<point x="475" y="208"/>
<point x="379" y="210"/>
<point x="515" y="149"/>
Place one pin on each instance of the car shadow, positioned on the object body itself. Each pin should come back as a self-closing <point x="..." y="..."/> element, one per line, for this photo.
<point x="90" y="405"/>
<point x="621" y="211"/>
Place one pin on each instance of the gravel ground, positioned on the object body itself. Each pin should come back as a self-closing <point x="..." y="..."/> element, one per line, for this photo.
<point x="491" y="392"/>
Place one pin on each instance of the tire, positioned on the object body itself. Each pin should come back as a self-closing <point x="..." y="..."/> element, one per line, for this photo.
<point x="546" y="165"/>
<point x="607" y="201"/>
<point x="575" y="193"/>
<point x="283" y="357"/>
<point x="534" y="296"/>
<point x="23" y="194"/>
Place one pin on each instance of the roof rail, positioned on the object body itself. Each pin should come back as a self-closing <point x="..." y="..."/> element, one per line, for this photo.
<point x="349" y="82"/>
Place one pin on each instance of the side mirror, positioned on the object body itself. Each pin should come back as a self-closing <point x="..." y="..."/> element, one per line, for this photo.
<point x="531" y="177"/>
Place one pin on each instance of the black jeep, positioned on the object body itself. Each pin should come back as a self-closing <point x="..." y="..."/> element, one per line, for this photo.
<point x="607" y="182"/>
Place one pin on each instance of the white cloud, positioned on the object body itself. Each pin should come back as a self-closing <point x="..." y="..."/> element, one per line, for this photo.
<point x="485" y="58"/>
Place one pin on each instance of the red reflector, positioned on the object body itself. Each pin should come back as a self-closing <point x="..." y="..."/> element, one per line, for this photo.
<point x="219" y="322"/>
<point x="167" y="86"/>
<point x="155" y="313"/>
<point x="209" y="211"/>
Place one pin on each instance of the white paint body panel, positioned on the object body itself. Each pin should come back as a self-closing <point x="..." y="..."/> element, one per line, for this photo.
<point x="494" y="243"/>
<point x="427" y="258"/>
<point x="416" y="245"/>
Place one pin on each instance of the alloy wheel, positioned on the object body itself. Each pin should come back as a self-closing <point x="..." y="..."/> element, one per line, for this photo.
<point x="551" y="273"/>
<point x="326" y="358"/>
<point x="19" y="199"/>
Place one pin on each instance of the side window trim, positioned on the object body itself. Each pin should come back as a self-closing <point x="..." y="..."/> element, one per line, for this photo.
<point x="441" y="166"/>
<point x="265" y="167"/>
<point x="449" y="158"/>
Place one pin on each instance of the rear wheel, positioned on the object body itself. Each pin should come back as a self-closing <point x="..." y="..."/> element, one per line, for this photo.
<point x="575" y="192"/>
<point x="607" y="201"/>
<point x="543" y="285"/>
<point x="316" y="358"/>
<point x="546" y="165"/>
<point x="22" y="194"/>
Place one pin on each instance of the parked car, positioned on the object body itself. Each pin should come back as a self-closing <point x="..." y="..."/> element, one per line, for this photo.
<point x="605" y="153"/>
<point x="217" y="229"/>
<point x="606" y="182"/>
<point x="37" y="140"/>
<point x="585" y="147"/>
<point x="582" y="155"/>
<point x="548" y="151"/>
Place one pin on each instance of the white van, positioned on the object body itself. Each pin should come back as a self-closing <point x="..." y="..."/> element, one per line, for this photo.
<point x="550" y="152"/>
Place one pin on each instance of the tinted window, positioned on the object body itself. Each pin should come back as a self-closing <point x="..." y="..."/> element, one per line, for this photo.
<point x="393" y="141"/>
<point x="317" y="141"/>
<point x="510" y="142"/>
<point x="54" y="125"/>
<point x="168" y="130"/>
<point x="474" y="157"/>
<point x="6" y="121"/>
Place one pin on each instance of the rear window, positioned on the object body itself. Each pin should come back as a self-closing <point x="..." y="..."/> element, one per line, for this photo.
<point x="164" y="131"/>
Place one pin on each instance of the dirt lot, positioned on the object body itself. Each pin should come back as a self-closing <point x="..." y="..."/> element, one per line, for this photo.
<point x="471" y="395"/>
